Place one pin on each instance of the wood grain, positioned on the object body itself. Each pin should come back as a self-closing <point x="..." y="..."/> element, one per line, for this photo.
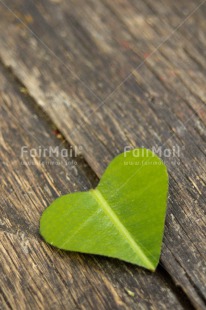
<point x="34" y="275"/>
<point x="113" y="74"/>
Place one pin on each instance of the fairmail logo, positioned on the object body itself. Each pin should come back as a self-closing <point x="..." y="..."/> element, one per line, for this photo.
<point x="175" y="151"/>
<point x="42" y="152"/>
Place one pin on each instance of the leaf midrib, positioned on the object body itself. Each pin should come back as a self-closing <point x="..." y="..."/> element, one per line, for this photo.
<point x="120" y="227"/>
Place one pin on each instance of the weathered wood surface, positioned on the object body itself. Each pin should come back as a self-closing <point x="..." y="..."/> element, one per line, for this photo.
<point x="33" y="274"/>
<point x="113" y="74"/>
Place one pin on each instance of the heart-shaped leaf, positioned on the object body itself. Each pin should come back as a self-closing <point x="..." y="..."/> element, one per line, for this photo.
<point x="122" y="218"/>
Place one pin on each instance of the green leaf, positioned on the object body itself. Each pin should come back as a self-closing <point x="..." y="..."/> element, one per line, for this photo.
<point x="122" y="218"/>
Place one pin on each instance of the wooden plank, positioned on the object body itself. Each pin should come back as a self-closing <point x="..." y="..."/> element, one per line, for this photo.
<point x="34" y="275"/>
<point x="71" y="59"/>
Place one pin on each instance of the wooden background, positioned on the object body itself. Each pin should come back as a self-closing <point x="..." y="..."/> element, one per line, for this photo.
<point x="101" y="75"/>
